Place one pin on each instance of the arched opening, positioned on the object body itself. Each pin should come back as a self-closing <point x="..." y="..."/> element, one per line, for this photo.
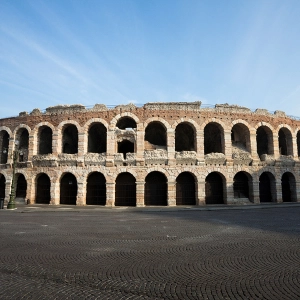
<point x="70" y="139"/>
<point x="214" y="189"/>
<point x="240" y="138"/>
<point x="288" y="185"/>
<point x="4" y="144"/>
<point x="241" y="185"/>
<point x="97" y="138"/>
<point x="68" y="189"/>
<point x="156" y="134"/>
<point x="45" y="140"/>
<point x="43" y="189"/>
<point x="184" y="137"/>
<point x="21" y="188"/>
<point x="23" y="138"/>
<point x="2" y="186"/>
<point x="125" y="190"/>
<point x="267" y="187"/>
<point x="126" y="122"/>
<point x="264" y="141"/>
<point x="185" y="189"/>
<point x="125" y="147"/>
<point x="213" y="138"/>
<point x="96" y="189"/>
<point x="298" y="143"/>
<point x="156" y="189"/>
<point x="285" y="142"/>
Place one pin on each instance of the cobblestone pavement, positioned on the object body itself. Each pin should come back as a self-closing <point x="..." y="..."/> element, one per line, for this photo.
<point x="131" y="254"/>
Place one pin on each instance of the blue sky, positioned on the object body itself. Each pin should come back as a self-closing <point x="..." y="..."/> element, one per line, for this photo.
<point x="120" y="51"/>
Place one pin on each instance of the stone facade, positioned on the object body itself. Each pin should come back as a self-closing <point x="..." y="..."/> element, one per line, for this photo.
<point x="159" y="154"/>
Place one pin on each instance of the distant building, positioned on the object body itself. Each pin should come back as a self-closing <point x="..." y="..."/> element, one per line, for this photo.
<point x="158" y="154"/>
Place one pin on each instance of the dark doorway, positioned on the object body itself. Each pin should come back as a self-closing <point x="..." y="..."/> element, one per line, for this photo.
<point x="2" y="186"/>
<point x="43" y="189"/>
<point x="184" y="137"/>
<point x="213" y="138"/>
<point x="68" y="189"/>
<point x="285" y="142"/>
<point x="126" y="122"/>
<point x="156" y="134"/>
<point x="240" y="137"/>
<point x="156" y="189"/>
<point x="214" y="189"/>
<point x="288" y="185"/>
<point x="125" y="147"/>
<point x="125" y="190"/>
<point x="185" y="189"/>
<point x="97" y="138"/>
<point x="45" y="140"/>
<point x="265" y="187"/>
<point x="21" y="187"/>
<point x="96" y="189"/>
<point x="298" y="143"/>
<point x="70" y="139"/>
<point x="4" y="143"/>
<point x="241" y="185"/>
<point x="264" y="141"/>
<point x="23" y="137"/>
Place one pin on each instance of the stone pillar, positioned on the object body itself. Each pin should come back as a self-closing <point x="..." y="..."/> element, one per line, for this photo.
<point x="228" y="146"/>
<point x="56" y="143"/>
<point x="30" y="147"/>
<point x="81" y="193"/>
<point x="200" y="146"/>
<point x="253" y="146"/>
<point x="110" y="194"/>
<point x="140" y="145"/>
<point x="55" y="193"/>
<point x="81" y="144"/>
<point x="171" y="193"/>
<point x="11" y="147"/>
<point x="140" y="192"/>
<point x="201" y="193"/>
<point x="7" y="189"/>
<point x="31" y="191"/>
<point x="171" y="146"/>
<point x="256" y="199"/>
<point x="110" y="146"/>
<point x="295" y="148"/>
<point x="279" y="192"/>
<point x="228" y="194"/>
<point x="297" y="191"/>
<point x="276" y="145"/>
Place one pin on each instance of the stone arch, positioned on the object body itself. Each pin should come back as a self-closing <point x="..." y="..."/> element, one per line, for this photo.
<point x="69" y="139"/>
<point x="21" y="184"/>
<point x="243" y="185"/>
<point x="96" y="189"/>
<point x="215" y="188"/>
<point x="264" y="140"/>
<point x="156" y="189"/>
<point x="285" y="140"/>
<point x="67" y="122"/>
<point x="20" y="127"/>
<point x="185" y="137"/>
<point x="267" y="187"/>
<point x="126" y="122"/>
<point x="97" y="137"/>
<point x="288" y="187"/>
<point x="240" y="137"/>
<point x="298" y="142"/>
<point x="214" y="138"/>
<point x="186" y="183"/>
<point x="43" y="187"/>
<point x="155" y="136"/>
<point x="7" y="129"/>
<point x="68" y="188"/>
<point x="37" y="139"/>
<point x="4" y="146"/>
<point x="124" y="114"/>
<point x="125" y="190"/>
<point x="90" y="122"/>
<point x="241" y="121"/>
<point x="22" y="136"/>
<point x="157" y="119"/>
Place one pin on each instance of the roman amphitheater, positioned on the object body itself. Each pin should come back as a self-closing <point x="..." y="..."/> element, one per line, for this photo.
<point x="164" y="154"/>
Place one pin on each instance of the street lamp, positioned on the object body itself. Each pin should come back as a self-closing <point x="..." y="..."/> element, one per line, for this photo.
<point x="11" y="204"/>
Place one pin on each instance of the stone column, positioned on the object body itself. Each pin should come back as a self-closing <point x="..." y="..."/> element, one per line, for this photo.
<point x="30" y="147"/>
<point x="229" y="197"/>
<point x="171" y="193"/>
<point x="297" y="191"/>
<point x="7" y="189"/>
<point x="140" y="192"/>
<point x="279" y="192"/>
<point x="110" y="194"/>
<point x="171" y="146"/>
<point x="200" y="146"/>
<point x="256" y="199"/>
<point x="55" y="193"/>
<point x="11" y="147"/>
<point x="201" y="193"/>
<point x="81" y="193"/>
<point x="140" y="145"/>
<point x="253" y="146"/>
<point x="56" y="143"/>
<point x="295" y="148"/>
<point x="110" y="146"/>
<point x="31" y="191"/>
<point x="81" y="144"/>
<point x="228" y="146"/>
<point x="276" y="145"/>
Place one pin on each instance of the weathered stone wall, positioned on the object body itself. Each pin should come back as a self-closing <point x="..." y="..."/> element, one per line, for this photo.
<point x="148" y="157"/>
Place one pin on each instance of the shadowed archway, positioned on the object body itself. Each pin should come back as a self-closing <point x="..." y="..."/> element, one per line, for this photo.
<point x="214" y="187"/>
<point x="96" y="189"/>
<point x="156" y="189"/>
<point x="288" y="186"/>
<point x="68" y="189"/>
<point x="125" y="190"/>
<point x="185" y="189"/>
<point x="43" y="186"/>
